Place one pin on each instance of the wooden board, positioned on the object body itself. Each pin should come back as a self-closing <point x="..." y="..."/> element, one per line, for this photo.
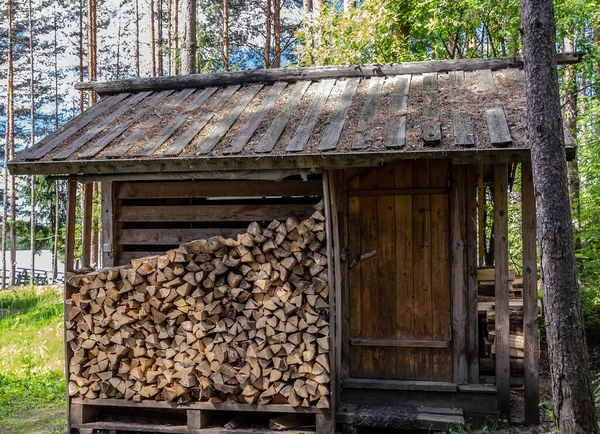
<point x="501" y="287"/>
<point x="201" y="189"/>
<point x="400" y="290"/>
<point x="498" y="127"/>
<point x="338" y="118"/>
<point x="530" y="298"/>
<point x="364" y="132"/>
<point x="207" y="213"/>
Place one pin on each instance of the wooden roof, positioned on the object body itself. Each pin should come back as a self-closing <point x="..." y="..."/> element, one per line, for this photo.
<point x="293" y="118"/>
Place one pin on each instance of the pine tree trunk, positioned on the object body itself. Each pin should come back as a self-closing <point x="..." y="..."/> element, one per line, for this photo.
<point x="9" y="137"/>
<point x="152" y="38"/>
<point x="137" y="38"/>
<point x="159" y="36"/>
<point x="170" y="36"/>
<point x="92" y="46"/>
<point x="268" y="20"/>
<point x="226" y="35"/>
<point x="573" y="401"/>
<point x="188" y="54"/>
<point x="277" y="32"/>
<point x="176" y="38"/>
<point x="81" y="95"/>
<point x="32" y="142"/>
<point x="570" y="107"/>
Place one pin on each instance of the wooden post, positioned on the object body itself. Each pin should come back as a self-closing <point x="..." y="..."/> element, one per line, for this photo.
<point x="480" y="210"/>
<point x="460" y="297"/>
<point x="530" y="298"/>
<point x="71" y="217"/>
<point x="108" y="224"/>
<point x="88" y="210"/>
<point x="333" y="350"/>
<point x="473" y="314"/>
<point x="501" y="284"/>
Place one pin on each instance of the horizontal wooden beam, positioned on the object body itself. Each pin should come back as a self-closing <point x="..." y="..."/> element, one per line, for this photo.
<point x="172" y="236"/>
<point x="267" y="162"/>
<point x="312" y="73"/>
<point x="373" y="383"/>
<point x="213" y="213"/>
<point x="397" y="191"/>
<point x="407" y="343"/>
<point x="225" y="406"/>
<point x="199" y="189"/>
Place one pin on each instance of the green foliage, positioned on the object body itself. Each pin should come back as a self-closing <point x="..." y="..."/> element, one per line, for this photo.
<point x="32" y="386"/>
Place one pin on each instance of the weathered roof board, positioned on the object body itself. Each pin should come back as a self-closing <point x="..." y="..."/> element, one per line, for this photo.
<point x="291" y="123"/>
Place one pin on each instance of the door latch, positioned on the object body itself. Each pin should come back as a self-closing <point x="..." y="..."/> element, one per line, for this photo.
<point x="362" y="258"/>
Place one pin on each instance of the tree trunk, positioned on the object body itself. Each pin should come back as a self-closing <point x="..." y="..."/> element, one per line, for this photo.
<point x="277" y="32"/>
<point x="32" y="142"/>
<point x="152" y="39"/>
<point x="92" y="47"/>
<point x="573" y="400"/>
<point x="81" y="96"/>
<point x="137" y="38"/>
<point x="159" y="36"/>
<point x="188" y="55"/>
<point x="9" y="138"/>
<point x="268" y="20"/>
<point x="170" y="37"/>
<point x="226" y="35"/>
<point x="570" y="106"/>
<point x="176" y="38"/>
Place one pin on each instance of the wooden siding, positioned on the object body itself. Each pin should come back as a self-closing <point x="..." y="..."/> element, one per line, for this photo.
<point x="400" y="295"/>
<point x="151" y="217"/>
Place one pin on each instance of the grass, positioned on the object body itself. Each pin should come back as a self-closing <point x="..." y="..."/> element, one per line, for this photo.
<point x="32" y="387"/>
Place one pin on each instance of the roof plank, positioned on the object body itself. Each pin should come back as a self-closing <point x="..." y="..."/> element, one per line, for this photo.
<point x="90" y="115"/>
<point x="457" y="78"/>
<point x="269" y="139"/>
<point x="396" y="137"/>
<point x="99" y="127"/>
<point x="431" y="128"/>
<point x="168" y="130"/>
<point x="401" y="90"/>
<point x="188" y="135"/>
<point x="140" y="133"/>
<point x="464" y="134"/>
<point x="498" y="127"/>
<point x="250" y="127"/>
<point x="221" y="129"/>
<point x="97" y="147"/>
<point x="338" y="118"/>
<point x="311" y="116"/>
<point x="364" y="130"/>
<point x="486" y="79"/>
<point x="432" y="133"/>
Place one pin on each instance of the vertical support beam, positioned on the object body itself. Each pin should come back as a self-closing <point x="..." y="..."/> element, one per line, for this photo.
<point x="197" y="419"/>
<point x="75" y="414"/>
<point x="481" y="210"/>
<point x="71" y="217"/>
<point x="473" y="314"/>
<point x="501" y="284"/>
<point x="108" y="224"/>
<point x="331" y="268"/>
<point x="460" y="297"/>
<point x="530" y="298"/>
<point x="88" y="210"/>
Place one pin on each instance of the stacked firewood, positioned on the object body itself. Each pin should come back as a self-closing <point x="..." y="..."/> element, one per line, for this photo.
<point x="219" y="320"/>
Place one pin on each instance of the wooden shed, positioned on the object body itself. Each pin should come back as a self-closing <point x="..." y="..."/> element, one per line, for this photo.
<point x="399" y="156"/>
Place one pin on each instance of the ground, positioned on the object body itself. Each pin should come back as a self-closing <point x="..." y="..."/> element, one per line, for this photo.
<point x="32" y="388"/>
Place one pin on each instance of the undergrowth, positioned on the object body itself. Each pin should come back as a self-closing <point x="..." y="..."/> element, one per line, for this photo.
<point x="32" y="387"/>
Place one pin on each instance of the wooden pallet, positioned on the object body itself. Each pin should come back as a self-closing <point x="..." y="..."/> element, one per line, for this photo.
<point x="122" y="416"/>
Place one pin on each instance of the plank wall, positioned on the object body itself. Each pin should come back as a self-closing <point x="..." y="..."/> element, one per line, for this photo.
<point x="152" y="217"/>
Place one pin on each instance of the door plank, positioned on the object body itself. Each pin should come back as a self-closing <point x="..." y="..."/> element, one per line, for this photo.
<point x="354" y="281"/>
<point x="404" y="271"/>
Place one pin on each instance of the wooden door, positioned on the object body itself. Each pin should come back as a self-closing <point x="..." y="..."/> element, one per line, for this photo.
<point x="400" y="311"/>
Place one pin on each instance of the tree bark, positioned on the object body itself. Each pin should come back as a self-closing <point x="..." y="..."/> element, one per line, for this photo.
<point x="81" y="96"/>
<point x="188" y="54"/>
<point x="277" y="32"/>
<point x="137" y="38"/>
<point x="92" y="47"/>
<point x="570" y="97"/>
<point x="268" y="21"/>
<point x="176" y="38"/>
<point x="152" y="38"/>
<point x="32" y="142"/>
<point x="226" y="35"/>
<point x="9" y="138"/>
<point x="573" y="401"/>
<point x="159" y="36"/>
